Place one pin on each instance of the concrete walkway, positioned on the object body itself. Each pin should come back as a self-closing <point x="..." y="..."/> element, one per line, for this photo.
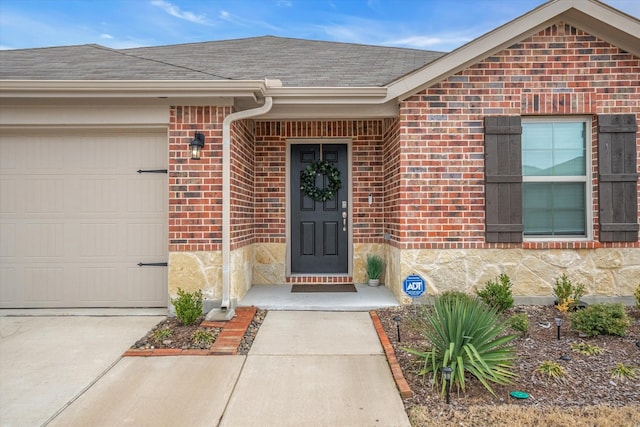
<point x="316" y="369"/>
<point x="304" y="368"/>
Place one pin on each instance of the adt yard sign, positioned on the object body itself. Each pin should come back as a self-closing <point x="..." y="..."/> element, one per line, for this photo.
<point x="414" y="286"/>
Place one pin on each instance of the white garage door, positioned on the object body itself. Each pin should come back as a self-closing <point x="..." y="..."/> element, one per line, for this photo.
<point x="76" y="218"/>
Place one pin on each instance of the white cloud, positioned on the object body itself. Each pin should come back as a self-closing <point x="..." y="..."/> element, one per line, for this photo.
<point x="244" y="22"/>
<point x="174" y="10"/>
<point x="284" y="3"/>
<point x="106" y="36"/>
<point x="428" y="42"/>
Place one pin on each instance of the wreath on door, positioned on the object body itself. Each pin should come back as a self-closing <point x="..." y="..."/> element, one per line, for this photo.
<point x="308" y="181"/>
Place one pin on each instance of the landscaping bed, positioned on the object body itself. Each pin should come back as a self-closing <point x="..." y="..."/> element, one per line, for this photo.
<point x="587" y="383"/>
<point x="169" y="334"/>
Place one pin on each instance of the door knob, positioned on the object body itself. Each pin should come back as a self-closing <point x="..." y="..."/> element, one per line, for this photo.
<point x="344" y="221"/>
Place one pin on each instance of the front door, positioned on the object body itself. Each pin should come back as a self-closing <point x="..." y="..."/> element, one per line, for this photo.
<point x="319" y="229"/>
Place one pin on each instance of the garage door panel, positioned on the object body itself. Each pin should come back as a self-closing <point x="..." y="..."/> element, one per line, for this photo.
<point x="76" y="218"/>
<point x="143" y="284"/>
<point x="141" y="236"/>
<point x="45" y="195"/>
<point x="8" y="196"/>
<point x="44" y="285"/>
<point x="97" y="285"/>
<point x="8" y="249"/>
<point x="98" y="240"/>
<point x="8" y="292"/>
<point x="42" y="240"/>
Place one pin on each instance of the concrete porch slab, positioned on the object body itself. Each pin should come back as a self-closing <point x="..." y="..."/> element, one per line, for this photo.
<point x="280" y="297"/>
<point x="315" y="391"/>
<point x="315" y="332"/>
<point x="157" y="391"/>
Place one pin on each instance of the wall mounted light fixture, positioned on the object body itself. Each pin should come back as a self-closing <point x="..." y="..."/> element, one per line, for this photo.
<point x="196" y="145"/>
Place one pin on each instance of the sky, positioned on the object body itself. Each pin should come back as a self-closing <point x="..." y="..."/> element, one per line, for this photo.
<point x="440" y="25"/>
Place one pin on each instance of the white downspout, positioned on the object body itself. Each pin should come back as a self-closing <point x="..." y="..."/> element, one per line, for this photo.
<point x="226" y="192"/>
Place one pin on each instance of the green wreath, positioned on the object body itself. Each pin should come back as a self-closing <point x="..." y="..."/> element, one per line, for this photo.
<point x="308" y="181"/>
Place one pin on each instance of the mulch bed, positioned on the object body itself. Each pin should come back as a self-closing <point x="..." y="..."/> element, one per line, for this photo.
<point x="588" y="380"/>
<point x="180" y="339"/>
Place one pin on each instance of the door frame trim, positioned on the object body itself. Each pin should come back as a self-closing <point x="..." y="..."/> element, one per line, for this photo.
<point x="289" y="143"/>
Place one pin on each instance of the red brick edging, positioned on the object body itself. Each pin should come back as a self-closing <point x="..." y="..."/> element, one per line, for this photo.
<point x="396" y="371"/>
<point x="227" y="342"/>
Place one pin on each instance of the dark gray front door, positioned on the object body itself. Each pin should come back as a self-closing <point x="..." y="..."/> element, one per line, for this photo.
<point x="319" y="232"/>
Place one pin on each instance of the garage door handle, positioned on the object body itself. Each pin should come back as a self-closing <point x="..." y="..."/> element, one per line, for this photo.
<point x="152" y="171"/>
<point x="153" y="264"/>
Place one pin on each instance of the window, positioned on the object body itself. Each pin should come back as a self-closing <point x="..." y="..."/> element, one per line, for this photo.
<point x="555" y="178"/>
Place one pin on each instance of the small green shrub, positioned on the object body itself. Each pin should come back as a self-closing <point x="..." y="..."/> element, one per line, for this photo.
<point x="520" y="323"/>
<point x="449" y="297"/>
<point x="374" y="266"/>
<point x="161" y="334"/>
<point x="567" y="294"/>
<point x="498" y="293"/>
<point x="601" y="319"/>
<point x="467" y="336"/>
<point x="624" y="371"/>
<point x="586" y="349"/>
<point x="551" y="369"/>
<point x="203" y="338"/>
<point x="188" y="306"/>
<point x="637" y="295"/>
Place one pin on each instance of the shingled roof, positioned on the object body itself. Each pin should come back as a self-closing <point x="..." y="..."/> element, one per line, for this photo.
<point x="296" y="62"/>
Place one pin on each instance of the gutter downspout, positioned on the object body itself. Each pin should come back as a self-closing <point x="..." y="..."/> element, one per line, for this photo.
<point x="226" y="192"/>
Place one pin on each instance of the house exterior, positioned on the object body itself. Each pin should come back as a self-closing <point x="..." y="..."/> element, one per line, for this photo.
<point x="516" y="153"/>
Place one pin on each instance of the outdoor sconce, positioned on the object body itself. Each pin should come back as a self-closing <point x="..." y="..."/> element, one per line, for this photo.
<point x="558" y="324"/>
<point x="397" y="319"/>
<point x="446" y="371"/>
<point x="196" y="145"/>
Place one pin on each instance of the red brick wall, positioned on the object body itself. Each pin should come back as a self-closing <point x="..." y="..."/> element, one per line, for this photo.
<point x="392" y="196"/>
<point x="195" y="186"/>
<point x="242" y="182"/>
<point x="561" y="70"/>
<point x="367" y="155"/>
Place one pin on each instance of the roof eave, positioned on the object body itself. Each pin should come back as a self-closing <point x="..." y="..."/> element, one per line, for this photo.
<point x="610" y="24"/>
<point x="328" y="95"/>
<point x="133" y="88"/>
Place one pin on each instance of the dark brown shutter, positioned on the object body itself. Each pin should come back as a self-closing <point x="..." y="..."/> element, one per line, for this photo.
<point x="618" y="178"/>
<point x="503" y="179"/>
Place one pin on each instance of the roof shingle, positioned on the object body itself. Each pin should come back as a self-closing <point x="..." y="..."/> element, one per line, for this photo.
<point x="296" y="62"/>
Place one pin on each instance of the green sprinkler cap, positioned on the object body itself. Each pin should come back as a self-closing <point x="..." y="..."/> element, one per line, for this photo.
<point x="519" y="395"/>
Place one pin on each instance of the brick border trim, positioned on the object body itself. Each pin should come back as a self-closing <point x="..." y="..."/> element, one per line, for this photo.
<point x="396" y="371"/>
<point x="227" y="343"/>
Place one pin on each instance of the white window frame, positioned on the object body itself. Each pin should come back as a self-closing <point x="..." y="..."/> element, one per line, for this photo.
<point x="586" y="179"/>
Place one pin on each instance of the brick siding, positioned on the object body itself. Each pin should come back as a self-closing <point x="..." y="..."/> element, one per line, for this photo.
<point x="367" y="173"/>
<point x="560" y="70"/>
<point x="195" y="186"/>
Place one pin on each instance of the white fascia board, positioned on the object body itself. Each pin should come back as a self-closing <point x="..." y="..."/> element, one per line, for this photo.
<point x="131" y="88"/>
<point x="328" y="95"/>
<point x="324" y="111"/>
<point x="619" y="27"/>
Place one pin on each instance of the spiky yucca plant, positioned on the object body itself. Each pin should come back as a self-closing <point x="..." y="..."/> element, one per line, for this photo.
<point x="468" y="336"/>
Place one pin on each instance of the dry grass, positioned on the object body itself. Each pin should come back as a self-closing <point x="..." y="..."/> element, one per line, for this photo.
<point x="514" y="416"/>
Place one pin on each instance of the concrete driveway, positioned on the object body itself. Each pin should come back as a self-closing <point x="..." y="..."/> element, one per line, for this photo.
<point x="304" y="368"/>
<point x="46" y="362"/>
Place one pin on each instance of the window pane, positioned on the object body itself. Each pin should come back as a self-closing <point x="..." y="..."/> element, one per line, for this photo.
<point x="553" y="149"/>
<point x="551" y="209"/>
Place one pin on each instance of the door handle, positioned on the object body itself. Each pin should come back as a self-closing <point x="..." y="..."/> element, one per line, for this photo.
<point x="344" y="221"/>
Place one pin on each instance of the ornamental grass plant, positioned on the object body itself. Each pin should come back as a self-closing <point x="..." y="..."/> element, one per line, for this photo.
<point x="469" y="337"/>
